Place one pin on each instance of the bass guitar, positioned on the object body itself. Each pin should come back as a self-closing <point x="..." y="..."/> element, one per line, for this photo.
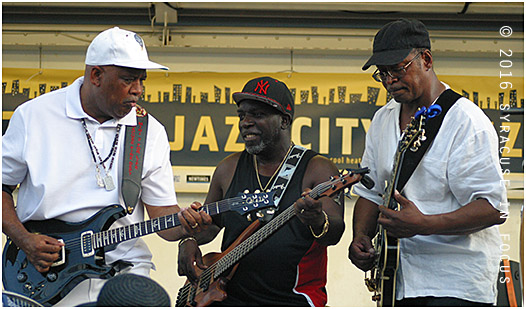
<point x="213" y="280"/>
<point x="85" y="242"/>
<point x="382" y="277"/>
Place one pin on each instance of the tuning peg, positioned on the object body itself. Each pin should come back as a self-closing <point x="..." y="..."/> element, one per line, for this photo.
<point x="246" y="191"/>
<point x="257" y="191"/>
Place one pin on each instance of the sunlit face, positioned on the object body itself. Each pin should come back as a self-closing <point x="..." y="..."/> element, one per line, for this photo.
<point x="120" y="89"/>
<point x="259" y="124"/>
<point x="406" y="88"/>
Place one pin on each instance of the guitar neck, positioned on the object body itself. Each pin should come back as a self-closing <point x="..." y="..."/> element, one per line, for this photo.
<point x="395" y="174"/>
<point x="124" y="233"/>
<point x="234" y="256"/>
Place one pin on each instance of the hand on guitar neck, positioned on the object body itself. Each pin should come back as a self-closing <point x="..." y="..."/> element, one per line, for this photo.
<point x="194" y="219"/>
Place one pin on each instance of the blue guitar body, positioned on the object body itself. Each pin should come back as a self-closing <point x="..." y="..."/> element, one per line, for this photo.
<point x="20" y="276"/>
<point x="85" y="242"/>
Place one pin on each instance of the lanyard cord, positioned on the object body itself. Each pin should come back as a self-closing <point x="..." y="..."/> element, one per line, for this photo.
<point x="92" y="146"/>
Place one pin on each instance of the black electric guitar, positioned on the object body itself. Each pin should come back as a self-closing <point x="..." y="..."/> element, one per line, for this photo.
<point x="213" y="280"/>
<point x="85" y="242"/>
<point x="382" y="280"/>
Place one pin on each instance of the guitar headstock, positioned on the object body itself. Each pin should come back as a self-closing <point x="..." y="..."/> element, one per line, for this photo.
<point x="253" y="201"/>
<point x="413" y="134"/>
<point x="339" y="183"/>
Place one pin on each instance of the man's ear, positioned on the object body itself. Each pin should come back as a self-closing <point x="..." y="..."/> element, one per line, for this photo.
<point x="427" y="58"/>
<point x="95" y="75"/>
<point x="286" y="121"/>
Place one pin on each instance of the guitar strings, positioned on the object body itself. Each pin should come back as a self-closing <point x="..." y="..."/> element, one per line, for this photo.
<point x="113" y="236"/>
<point x="223" y="264"/>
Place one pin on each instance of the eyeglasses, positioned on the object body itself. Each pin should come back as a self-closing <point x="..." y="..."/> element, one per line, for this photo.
<point x="397" y="73"/>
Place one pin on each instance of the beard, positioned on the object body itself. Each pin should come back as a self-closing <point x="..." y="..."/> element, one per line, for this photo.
<point x="264" y="142"/>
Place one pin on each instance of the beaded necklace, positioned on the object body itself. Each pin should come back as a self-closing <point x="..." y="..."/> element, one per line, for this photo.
<point x="106" y="181"/>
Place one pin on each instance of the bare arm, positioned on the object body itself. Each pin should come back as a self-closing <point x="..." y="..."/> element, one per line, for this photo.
<point x="319" y="170"/>
<point x="41" y="250"/>
<point x="409" y="221"/>
<point x="189" y="252"/>
<point x="361" y="251"/>
<point x="184" y="229"/>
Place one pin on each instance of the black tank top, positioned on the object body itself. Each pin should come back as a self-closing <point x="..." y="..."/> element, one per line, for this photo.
<point x="272" y="273"/>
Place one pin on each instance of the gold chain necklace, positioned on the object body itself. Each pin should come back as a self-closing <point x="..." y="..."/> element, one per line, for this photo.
<point x="275" y="172"/>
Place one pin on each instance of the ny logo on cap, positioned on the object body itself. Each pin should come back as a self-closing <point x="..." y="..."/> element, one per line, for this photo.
<point x="262" y="86"/>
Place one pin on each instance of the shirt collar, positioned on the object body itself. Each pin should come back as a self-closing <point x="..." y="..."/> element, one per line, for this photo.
<point x="74" y="107"/>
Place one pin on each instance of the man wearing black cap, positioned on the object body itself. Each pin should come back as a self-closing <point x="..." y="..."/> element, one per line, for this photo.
<point x="449" y="241"/>
<point x="289" y="268"/>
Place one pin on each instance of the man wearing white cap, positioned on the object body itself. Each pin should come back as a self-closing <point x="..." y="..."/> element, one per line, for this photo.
<point x="66" y="151"/>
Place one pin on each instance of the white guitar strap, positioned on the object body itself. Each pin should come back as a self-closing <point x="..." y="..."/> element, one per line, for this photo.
<point x="286" y="172"/>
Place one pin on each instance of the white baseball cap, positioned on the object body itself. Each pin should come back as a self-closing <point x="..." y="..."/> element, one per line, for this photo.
<point x="120" y="47"/>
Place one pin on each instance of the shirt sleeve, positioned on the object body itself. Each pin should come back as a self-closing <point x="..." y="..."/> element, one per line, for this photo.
<point x="473" y="169"/>
<point x="369" y="160"/>
<point x="14" y="167"/>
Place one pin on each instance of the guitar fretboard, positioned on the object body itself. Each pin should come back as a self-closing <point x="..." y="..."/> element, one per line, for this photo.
<point x="395" y="174"/>
<point x="233" y="257"/>
<point x="120" y="234"/>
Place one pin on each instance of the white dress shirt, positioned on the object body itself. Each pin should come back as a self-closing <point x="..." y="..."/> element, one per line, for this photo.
<point x="460" y="166"/>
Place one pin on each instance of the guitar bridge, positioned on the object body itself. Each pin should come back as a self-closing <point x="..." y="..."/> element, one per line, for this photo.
<point x="62" y="259"/>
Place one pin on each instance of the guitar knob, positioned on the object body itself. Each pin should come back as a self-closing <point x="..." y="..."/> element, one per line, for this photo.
<point x="51" y="277"/>
<point x="21" y="277"/>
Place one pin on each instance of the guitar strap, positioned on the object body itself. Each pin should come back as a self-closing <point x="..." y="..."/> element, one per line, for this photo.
<point x="412" y="159"/>
<point x="134" y="147"/>
<point x="286" y="172"/>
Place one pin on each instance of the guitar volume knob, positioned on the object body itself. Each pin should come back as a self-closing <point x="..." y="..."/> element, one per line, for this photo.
<point x="21" y="277"/>
<point x="51" y="277"/>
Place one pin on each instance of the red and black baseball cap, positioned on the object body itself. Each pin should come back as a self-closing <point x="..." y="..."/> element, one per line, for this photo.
<point x="268" y="90"/>
<point x="396" y="40"/>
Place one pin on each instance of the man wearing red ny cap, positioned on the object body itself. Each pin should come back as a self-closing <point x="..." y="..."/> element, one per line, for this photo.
<point x="289" y="268"/>
<point x="449" y="206"/>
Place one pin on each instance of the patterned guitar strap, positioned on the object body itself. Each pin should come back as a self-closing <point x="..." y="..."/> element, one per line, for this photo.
<point x="286" y="172"/>
<point x="134" y="147"/>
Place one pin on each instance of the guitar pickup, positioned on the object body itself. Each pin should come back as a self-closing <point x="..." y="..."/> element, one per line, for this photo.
<point x="86" y="242"/>
<point x="62" y="259"/>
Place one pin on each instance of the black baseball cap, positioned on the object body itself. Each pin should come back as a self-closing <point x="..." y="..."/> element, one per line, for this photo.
<point x="268" y="90"/>
<point x="396" y="40"/>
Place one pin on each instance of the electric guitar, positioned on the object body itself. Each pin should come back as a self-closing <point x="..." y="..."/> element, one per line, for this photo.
<point x="85" y="242"/>
<point x="382" y="280"/>
<point x="213" y="280"/>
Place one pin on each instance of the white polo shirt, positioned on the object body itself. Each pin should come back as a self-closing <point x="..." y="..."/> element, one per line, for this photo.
<point x="45" y="149"/>
<point x="460" y="166"/>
